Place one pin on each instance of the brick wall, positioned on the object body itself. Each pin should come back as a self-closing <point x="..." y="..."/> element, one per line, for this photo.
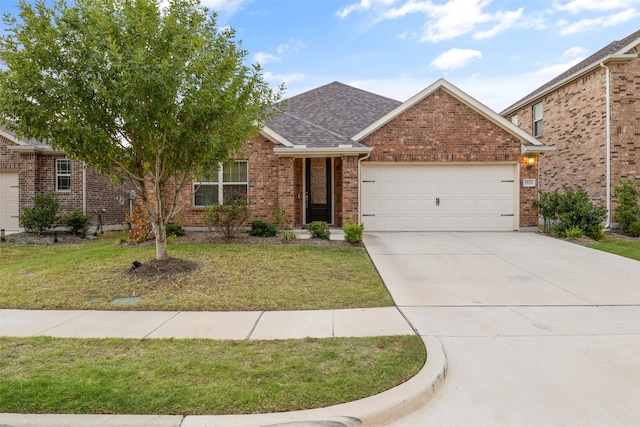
<point x="442" y="129"/>
<point x="575" y="123"/>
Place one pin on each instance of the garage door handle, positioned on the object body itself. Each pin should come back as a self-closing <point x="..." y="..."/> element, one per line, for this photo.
<point x="368" y="214"/>
<point x="437" y="201"/>
<point x="365" y="180"/>
<point x="507" y="180"/>
<point x="506" y="214"/>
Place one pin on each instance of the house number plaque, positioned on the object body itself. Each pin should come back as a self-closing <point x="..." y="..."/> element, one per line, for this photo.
<point x="528" y="182"/>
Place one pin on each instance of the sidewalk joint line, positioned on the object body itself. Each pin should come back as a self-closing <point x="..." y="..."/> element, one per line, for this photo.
<point x="255" y="325"/>
<point x="163" y="323"/>
<point x="82" y="313"/>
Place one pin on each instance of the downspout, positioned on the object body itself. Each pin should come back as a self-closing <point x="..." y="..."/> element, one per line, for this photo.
<point x="608" y="155"/>
<point x="360" y="186"/>
<point x="84" y="188"/>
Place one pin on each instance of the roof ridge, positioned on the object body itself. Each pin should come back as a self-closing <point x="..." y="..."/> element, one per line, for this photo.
<point x="315" y="125"/>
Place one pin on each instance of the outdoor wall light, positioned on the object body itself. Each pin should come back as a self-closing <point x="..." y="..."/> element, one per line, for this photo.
<point x="530" y="161"/>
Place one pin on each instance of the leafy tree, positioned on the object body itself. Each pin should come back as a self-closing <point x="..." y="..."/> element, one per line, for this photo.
<point x="151" y="94"/>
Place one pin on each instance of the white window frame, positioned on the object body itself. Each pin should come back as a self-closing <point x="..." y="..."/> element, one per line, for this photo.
<point x="65" y="174"/>
<point x="538" y="127"/>
<point x="514" y="119"/>
<point x="220" y="183"/>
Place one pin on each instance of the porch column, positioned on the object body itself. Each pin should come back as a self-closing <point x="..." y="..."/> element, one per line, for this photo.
<point x="349" y="189"/>
<point x="286" y="189"/>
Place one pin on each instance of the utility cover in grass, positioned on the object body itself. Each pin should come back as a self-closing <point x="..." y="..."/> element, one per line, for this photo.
<point x="129" y="300"/>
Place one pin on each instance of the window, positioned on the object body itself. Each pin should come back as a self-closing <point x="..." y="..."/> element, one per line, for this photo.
<point x="208" y="189"/>
<point x="514" y="119"/>
<point x="537" y="119"/>
<point x="63" y="175"/>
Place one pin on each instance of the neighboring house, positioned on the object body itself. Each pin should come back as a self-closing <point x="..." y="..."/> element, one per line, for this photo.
<point x="591" y="114"/>
<point x="30" y="167"/>
<point x="439" y="161"/>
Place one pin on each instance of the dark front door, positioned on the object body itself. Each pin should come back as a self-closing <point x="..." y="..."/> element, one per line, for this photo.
<point x="318" y="191"/>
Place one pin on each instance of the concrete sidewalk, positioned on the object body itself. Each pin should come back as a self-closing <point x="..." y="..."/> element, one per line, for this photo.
<point x="254" y="325"/>
<point x="375" y="410"/>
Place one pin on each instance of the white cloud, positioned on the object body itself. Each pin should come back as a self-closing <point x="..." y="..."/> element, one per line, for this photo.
<point x="363" y="5"/>
<point x="552" y="71"/>
<point x="230" y="6"/>
<point x="597" y="23"/>
<point x="507" y="20"/>
<point x="295" y="45"/>
<point x="455" y="58"/>
<point x="282" y="78"/>
<point x="574" y="51"/>
<point x="577" y="6"/>
<point x="264" y="58"/>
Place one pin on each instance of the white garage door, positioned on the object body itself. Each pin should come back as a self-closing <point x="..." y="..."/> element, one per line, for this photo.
<point x="9" y="201"/>
<point x="404" y="197"/>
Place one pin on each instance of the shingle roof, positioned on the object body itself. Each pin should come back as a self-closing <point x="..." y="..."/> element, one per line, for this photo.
<point x="31" y="142"/>
<point x="611" y="49"/>
<point x="329" y="115"/>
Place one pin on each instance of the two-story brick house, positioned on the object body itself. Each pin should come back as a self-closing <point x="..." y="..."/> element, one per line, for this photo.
<point x="28" y="167"/>
<point x="591" y="114"/>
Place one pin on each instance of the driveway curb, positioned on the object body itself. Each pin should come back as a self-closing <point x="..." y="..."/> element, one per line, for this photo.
<point x="375" y="410"/>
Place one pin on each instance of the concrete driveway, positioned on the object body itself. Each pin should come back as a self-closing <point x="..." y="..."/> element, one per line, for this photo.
<point x="537" y="331"/>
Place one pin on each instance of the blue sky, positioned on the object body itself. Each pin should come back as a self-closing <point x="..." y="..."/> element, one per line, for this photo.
<point x="495" y="50"/>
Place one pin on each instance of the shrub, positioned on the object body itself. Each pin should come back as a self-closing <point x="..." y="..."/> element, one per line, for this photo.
<point x="175" y="230"/>
<point x="42" y="215"/>
<point x="140" y="229"/>
<point x="573" y="209"/>
<point x="288" y="236"/>
<point x="228" y="217"/>
<point x="319" y="230"/>
<point x="278" y="216"/>
<point x="353" y="232"/>
<point x="78" y="222"/>
<point x="262" y="229"/>
<point x="573" y="233"/>
<point x="634" y="229"/>
<point x="627" y="196"/>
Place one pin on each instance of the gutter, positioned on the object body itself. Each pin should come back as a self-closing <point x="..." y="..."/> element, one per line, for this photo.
<point x="303" y="151"/>
<point x="608" y="144"/>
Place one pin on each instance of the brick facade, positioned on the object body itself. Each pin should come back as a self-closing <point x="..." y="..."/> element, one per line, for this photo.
<point x="37" y="174"/>
<point x="574" y="121"/>
<point x="442" y="129"/>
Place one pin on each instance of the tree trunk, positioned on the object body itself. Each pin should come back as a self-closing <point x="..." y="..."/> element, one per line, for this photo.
<point x="161" y="240"/>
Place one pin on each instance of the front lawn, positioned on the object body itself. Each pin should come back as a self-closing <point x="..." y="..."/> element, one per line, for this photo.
<point x="117" y="376"/>
<point x="228" y="277"/>
<point x="626" y="247"/>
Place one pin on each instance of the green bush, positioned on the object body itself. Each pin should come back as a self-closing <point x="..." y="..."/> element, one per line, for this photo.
<point x="175" y="230"/>
<point x="319" y="230"/>
<point x="78" y="222"/>
<point x="573" y="209"/>
<point x="278" y="216"/>
<point x="574" y="233"/>
<point x="634" y="229"/>
<point x="353" y="232"/>
<point x="262" y="229"/>
<point x="227" y="218"/>
<point x="288" y="236"/>
<point x="42" y="215"/>
<point x="627" y="197"/>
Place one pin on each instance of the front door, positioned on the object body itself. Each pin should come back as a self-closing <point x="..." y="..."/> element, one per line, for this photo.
<point x="318" y="191"/>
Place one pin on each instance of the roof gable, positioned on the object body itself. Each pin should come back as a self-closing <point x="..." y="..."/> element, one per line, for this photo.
<point x="472" y="103"/>
<point x="616" y="50"/>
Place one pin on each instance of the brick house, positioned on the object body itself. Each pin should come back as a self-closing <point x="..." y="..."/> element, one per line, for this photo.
<point x="30" y="167"/>
<point x="439" y="161"/>
<point x="591" y="114"/>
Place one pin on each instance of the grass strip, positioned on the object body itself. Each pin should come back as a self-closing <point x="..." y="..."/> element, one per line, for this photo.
<point x="123" y="376"/>
<point x="229" y="277"/>
<point x="629" y="248"/>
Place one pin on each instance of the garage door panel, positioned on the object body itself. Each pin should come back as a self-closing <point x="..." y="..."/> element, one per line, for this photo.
<point x="434" y="197"/>
<point x="9" y="203"/>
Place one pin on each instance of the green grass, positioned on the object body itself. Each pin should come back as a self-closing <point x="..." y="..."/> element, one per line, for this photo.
<point x="53" y="375"/>
<point x="629" y="248"/>
<point x="229" y="277"/>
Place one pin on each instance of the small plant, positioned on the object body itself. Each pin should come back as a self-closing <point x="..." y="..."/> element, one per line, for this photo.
<point x="573" y="233"/>
<point x="175" y="230"/>
<point x="278" y="216"/>
<point x="634" y="229"/>
<point x="319" y="230"/>
<point x="227" y="218"/>
<point x="353" y="232"/>
<point x="288" y="236"/>
<point x="42" y="215"/>
<point x="141" y="229"/>
<point x="262" y="229"/>
<point x="627" y="196"/>
<point x="78" y="222"/>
